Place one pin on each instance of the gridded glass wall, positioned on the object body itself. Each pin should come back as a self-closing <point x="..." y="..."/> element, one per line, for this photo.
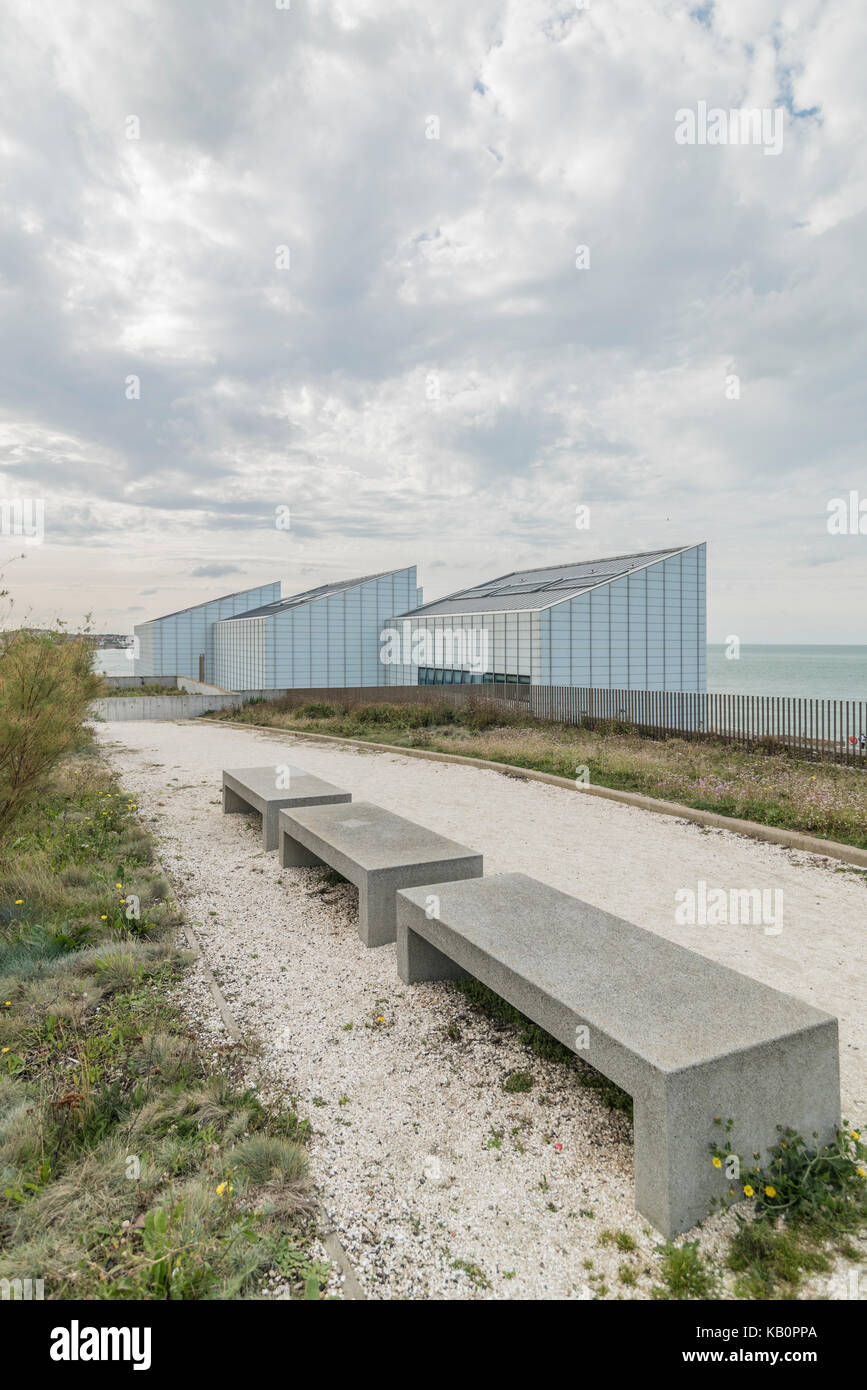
<point x="172" y="646"/>
<point x="239" y="654"/>
<point x="646" y="631"/>
<point x="465" y="648"/>
<point x="333" y="641"/>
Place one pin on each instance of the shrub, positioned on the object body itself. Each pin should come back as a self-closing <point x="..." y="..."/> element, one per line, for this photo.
<point x="316" y="709"/>
<point x="378" y="714"/>
<point x="46" y="685"/>
<point x="479" y="712"/>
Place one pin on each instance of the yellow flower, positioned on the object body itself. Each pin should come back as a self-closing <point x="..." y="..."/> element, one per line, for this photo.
<point x="770" y="1192"/>
<point x="18" y="902"/>
<point x="4" y="1049"/>
<point x="748" y="1191"/>
<point x="863" y="1172"/>
<point x="103" y="918"/>
<point x="118" y="885"/>
<point x="855" y="1134"/>
<point x="224" y="1189"/>
<point x="717" y="1163"/>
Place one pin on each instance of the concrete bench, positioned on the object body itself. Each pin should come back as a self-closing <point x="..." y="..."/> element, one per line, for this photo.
<point x="688" y="1039"/>
<point x="378" y="852"/>
<point x="257" y="789"/>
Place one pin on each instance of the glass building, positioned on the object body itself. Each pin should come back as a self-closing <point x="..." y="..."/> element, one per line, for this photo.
<point x="328" y="636"/>
<point x="626" y="622"/>
<point x="181" y="644"/>
<point x="256" y="640"/>
<point x="632" y="622"/>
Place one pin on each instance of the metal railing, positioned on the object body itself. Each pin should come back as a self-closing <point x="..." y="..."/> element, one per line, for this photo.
<point x="834" y="730"/>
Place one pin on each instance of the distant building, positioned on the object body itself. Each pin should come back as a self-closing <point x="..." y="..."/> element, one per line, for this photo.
<point x="327" y="636"/>
<point x="181" y="644"/>
<point x="255" y="640"/>
<point x="626" y="622"/>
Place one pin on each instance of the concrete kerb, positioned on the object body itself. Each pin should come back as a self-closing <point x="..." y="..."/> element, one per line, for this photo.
<point x="772" y="834"/>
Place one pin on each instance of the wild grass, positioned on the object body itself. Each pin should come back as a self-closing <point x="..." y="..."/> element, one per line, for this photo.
<point x="771" y="788"/>
<point x="686" y="1273"/>
<point x="127" y="1169"/>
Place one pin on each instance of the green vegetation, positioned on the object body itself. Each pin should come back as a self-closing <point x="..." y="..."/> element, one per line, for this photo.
<point x="686" y="1273"/>
<point x="475" y="1275"/>
<point x="807" y="1200"/>
<point x="110" y="692"/>
<point x="543" y="1045"/>
<point x="127" y="1170"/>
<point x="769" y="787"/>
<point x="518" y="1081"/>
<point x="771" y="1263"/>
<point x="46" y="685"/>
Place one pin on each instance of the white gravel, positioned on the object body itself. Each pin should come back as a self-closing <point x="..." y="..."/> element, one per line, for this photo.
<point x="440" y="1184"/>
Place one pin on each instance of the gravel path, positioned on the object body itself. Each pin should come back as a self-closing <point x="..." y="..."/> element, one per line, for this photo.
<point x="439" y="1183"/>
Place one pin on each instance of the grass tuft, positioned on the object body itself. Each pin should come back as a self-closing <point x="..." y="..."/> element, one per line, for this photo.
<point x="127" y="1170"/>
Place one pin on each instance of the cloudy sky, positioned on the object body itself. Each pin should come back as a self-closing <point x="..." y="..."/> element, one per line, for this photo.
<point x="325" y="258"/>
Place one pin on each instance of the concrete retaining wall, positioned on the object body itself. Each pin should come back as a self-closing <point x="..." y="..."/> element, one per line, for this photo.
<point x="136" y="682"/>
<point x="174" y="706"/>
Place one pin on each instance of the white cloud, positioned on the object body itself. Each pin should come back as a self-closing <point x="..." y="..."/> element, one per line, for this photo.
<point x="416" y="259"/>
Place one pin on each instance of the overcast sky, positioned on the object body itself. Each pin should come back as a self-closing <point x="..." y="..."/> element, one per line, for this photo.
<point x="431" y="378"/>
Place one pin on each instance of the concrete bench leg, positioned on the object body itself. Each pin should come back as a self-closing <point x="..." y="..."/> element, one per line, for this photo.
<point x="294" y="855"/>
<point x="270" y="830"/>
<point x="417" y="960"/>
<point x="377" y="911"/>
<point x="793" y="1082"/>
<point x="233" y="803"/>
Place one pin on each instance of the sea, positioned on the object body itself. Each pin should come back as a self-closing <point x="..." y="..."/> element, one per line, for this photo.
<point x="112" y="661"/>
<point x="821" y="672"/>
<point x="817" y="672"/>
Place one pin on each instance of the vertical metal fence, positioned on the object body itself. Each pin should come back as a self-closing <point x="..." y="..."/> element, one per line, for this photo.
<point x="835" y="730"/>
